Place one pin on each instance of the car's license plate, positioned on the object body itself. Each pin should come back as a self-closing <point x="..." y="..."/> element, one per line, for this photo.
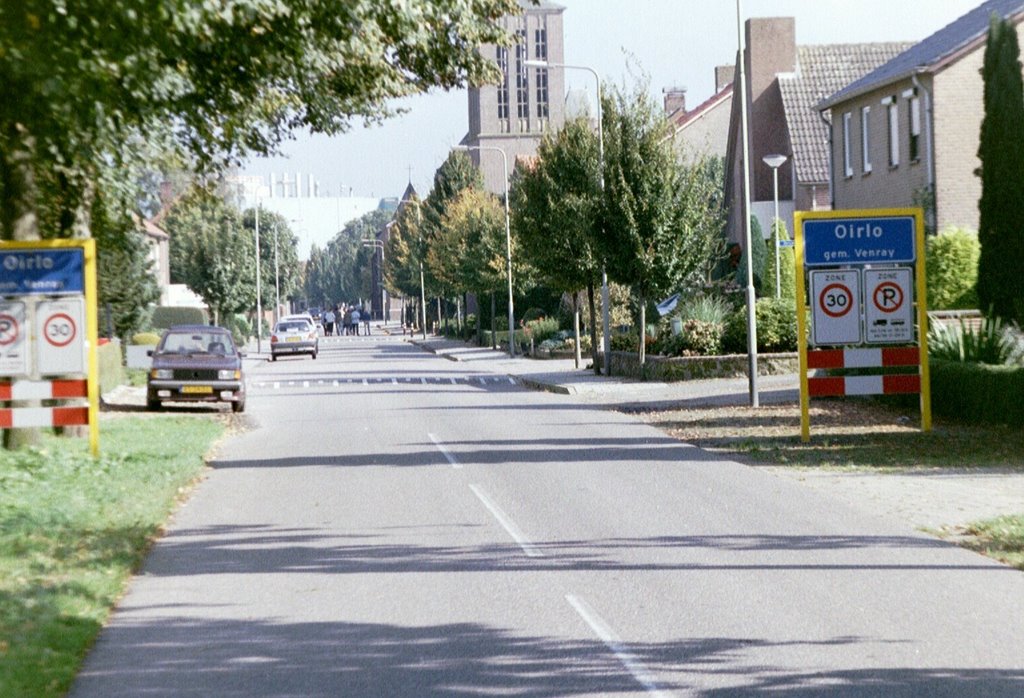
<point x="293" y="339"/>
<point x="197" y="389"/>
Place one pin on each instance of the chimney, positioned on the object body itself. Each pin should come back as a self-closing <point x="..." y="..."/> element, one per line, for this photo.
<point x="724" y="75"/>
<point x="675" y="100"/>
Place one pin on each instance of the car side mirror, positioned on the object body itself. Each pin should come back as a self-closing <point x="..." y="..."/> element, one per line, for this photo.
<point x="149" y="352"/>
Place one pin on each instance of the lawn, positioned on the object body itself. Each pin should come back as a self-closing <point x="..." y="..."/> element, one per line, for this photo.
<point x="72" y="531"/>
<point x="863" y="434"/>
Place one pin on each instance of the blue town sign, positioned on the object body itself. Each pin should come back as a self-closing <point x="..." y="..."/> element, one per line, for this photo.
<point x="42" y="271"/>
<point x="846" y="241"/>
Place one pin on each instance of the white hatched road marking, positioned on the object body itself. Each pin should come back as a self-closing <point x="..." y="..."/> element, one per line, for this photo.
<point x="507" y="523"/>
<point x="614" y="643"/>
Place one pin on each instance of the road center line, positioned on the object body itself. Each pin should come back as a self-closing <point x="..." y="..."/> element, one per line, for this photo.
<point x="614" y="643"/>
<point x="447" y="454"/>
<point x="508" y="524"/>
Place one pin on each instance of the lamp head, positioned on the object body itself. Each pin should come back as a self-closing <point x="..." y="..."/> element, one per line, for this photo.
<point x="774" y="161"/>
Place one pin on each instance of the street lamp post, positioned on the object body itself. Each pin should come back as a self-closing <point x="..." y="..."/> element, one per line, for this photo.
<point x="751" y="299"/>
<point x="775" y="162"/>
<point x="605" y="313"/>
<point x="259" y="300"/>
<point x="277" y="280"/>
<point x="508" y="242"/>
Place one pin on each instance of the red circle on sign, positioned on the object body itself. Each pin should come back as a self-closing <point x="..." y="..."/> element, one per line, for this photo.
<point x="62" y="335"/>
<point x="880" y="301"/>
<point x="840" y="309"/>
<point x="8" y="329"/>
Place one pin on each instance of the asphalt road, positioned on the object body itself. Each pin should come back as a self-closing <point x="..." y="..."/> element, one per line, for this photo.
<point x="400" y="525"/>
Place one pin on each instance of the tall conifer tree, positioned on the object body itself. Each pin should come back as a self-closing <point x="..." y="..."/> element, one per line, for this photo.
<point x="1001" y="151"/>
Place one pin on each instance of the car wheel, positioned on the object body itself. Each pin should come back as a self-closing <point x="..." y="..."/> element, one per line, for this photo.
<point x="152" y="405"/>
<point x="273" y="357"/>
<point x="314" y="355"/>
<point x="238" y="406"/>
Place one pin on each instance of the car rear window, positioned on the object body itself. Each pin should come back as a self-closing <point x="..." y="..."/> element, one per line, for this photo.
<point x="293" y="327"/>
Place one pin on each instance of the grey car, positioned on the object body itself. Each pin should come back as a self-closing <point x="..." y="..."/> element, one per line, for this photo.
<point x="294" y="336"/>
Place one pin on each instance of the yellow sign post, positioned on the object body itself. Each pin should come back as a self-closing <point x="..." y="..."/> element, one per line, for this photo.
<point x="853" y="276"/>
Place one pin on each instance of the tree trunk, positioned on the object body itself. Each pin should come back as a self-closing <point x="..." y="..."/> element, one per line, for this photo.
<point x="20" y="215"/>
<point x="593" y="328"/>
<point x="494" y="321"/>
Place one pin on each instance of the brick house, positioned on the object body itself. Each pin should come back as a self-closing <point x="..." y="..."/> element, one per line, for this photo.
<point x="907" y="133"/>
<point x="784" y="83"/>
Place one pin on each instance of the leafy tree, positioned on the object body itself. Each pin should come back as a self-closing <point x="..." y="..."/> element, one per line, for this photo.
<point x="212" y="252"/>
<point x="556" y="217"/>
<point x="470" y="253"/>
<point x="405" y="252"/>
<point x="455" y="174"/>
<point x="1001" y="151"/>
<point x="100" y="82"/>
<point x="340" y="272"/>
<point x="952" y="269"/>
<point x="274" y="227"/>
<point x="126" y="286"/>
<point x="652" y="241"/>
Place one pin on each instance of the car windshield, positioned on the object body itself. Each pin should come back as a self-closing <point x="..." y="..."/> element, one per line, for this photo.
<point x="296" y="326"/>
<point x="198" y="343"/>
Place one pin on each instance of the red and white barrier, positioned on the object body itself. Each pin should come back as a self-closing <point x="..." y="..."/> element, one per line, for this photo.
<point x="831" y="386"/>
<point x="864" y="358"/>
<point x="32" y="417"/>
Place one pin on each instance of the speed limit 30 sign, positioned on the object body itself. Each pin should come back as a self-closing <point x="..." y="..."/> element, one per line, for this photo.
<point x="60" y="345"/>
<point x="835" y="303"/>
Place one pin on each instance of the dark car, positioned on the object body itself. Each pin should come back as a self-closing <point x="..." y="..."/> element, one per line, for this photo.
<point x="196" y="363"/>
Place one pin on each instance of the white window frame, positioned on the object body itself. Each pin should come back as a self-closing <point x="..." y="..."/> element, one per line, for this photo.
<point x="865" y="139"/>
<point x="915" y="128"/>
<point x="847" y="158"/>
<point x="893" y="114"/>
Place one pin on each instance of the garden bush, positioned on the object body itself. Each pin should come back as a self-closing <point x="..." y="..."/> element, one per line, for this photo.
<point x="541" y="329"/>
<point x="706" y="308"/>
<point x="952" y="269"/>
<point x="776" y="327"/>
<point x="148" y="339"/>
<point x="992" y="343"/>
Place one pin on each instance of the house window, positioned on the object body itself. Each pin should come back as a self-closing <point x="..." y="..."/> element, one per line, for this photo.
<point x="503" y="105"/>
<point x="540" y="44"/>
<point x="542" y="93"/>
<point x="865" y="139"/>
<point x="894" y="131"/>
<point x="915" y="128"/>
<point x="847" y="160"/>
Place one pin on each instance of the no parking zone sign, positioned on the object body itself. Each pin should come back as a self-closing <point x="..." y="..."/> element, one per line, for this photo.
<point x="861" y="274"/>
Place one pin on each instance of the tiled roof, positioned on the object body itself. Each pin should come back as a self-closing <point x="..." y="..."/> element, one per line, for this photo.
<point x="821" y="71"/>
<point x="934" y="50"/>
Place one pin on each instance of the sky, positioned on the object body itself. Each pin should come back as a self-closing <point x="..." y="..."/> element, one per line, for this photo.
<point x="676" y="42"/>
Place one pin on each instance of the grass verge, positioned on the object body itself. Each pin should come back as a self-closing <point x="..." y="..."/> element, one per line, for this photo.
<point x="1001" y="538"/>
<point x="73" y="529"/>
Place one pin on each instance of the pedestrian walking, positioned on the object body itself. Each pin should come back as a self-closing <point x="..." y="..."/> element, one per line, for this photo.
<point x="355" y="321"/>
<point x="329" y="322"/>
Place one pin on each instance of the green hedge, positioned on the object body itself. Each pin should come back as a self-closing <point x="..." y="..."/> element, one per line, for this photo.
<point x="974" y="392"/>
<point x="167" y="315"/>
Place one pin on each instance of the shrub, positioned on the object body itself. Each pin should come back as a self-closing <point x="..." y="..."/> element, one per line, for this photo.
<point x="703" y="338"/>
<point x="109" y="364"/>
<point x="165" y="316"/>
<point x="147" y="339"/>
<point x="241" y="329"/>
<point x="787" y="269"/>
<point x="759" y="253"/>
<point x="542" y="329"/>
<point x="776" y="327"/>
<point x="992" y="343"/>
<point x="624" y="341"/>
<point x="532" y="314"/>
<point x="952" y="266"/>
<point x="977" y="392"/>
<point x="705" y="308"/>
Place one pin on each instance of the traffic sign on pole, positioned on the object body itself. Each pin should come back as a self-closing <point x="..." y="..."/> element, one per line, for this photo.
<point x="13" y="339"/>
<point x="60" y="348"/>
<point x="835" y="301"/>
<point x="888" y="306"/>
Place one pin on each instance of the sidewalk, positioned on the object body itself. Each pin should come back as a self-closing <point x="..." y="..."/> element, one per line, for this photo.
<point x="562" y="376"/>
